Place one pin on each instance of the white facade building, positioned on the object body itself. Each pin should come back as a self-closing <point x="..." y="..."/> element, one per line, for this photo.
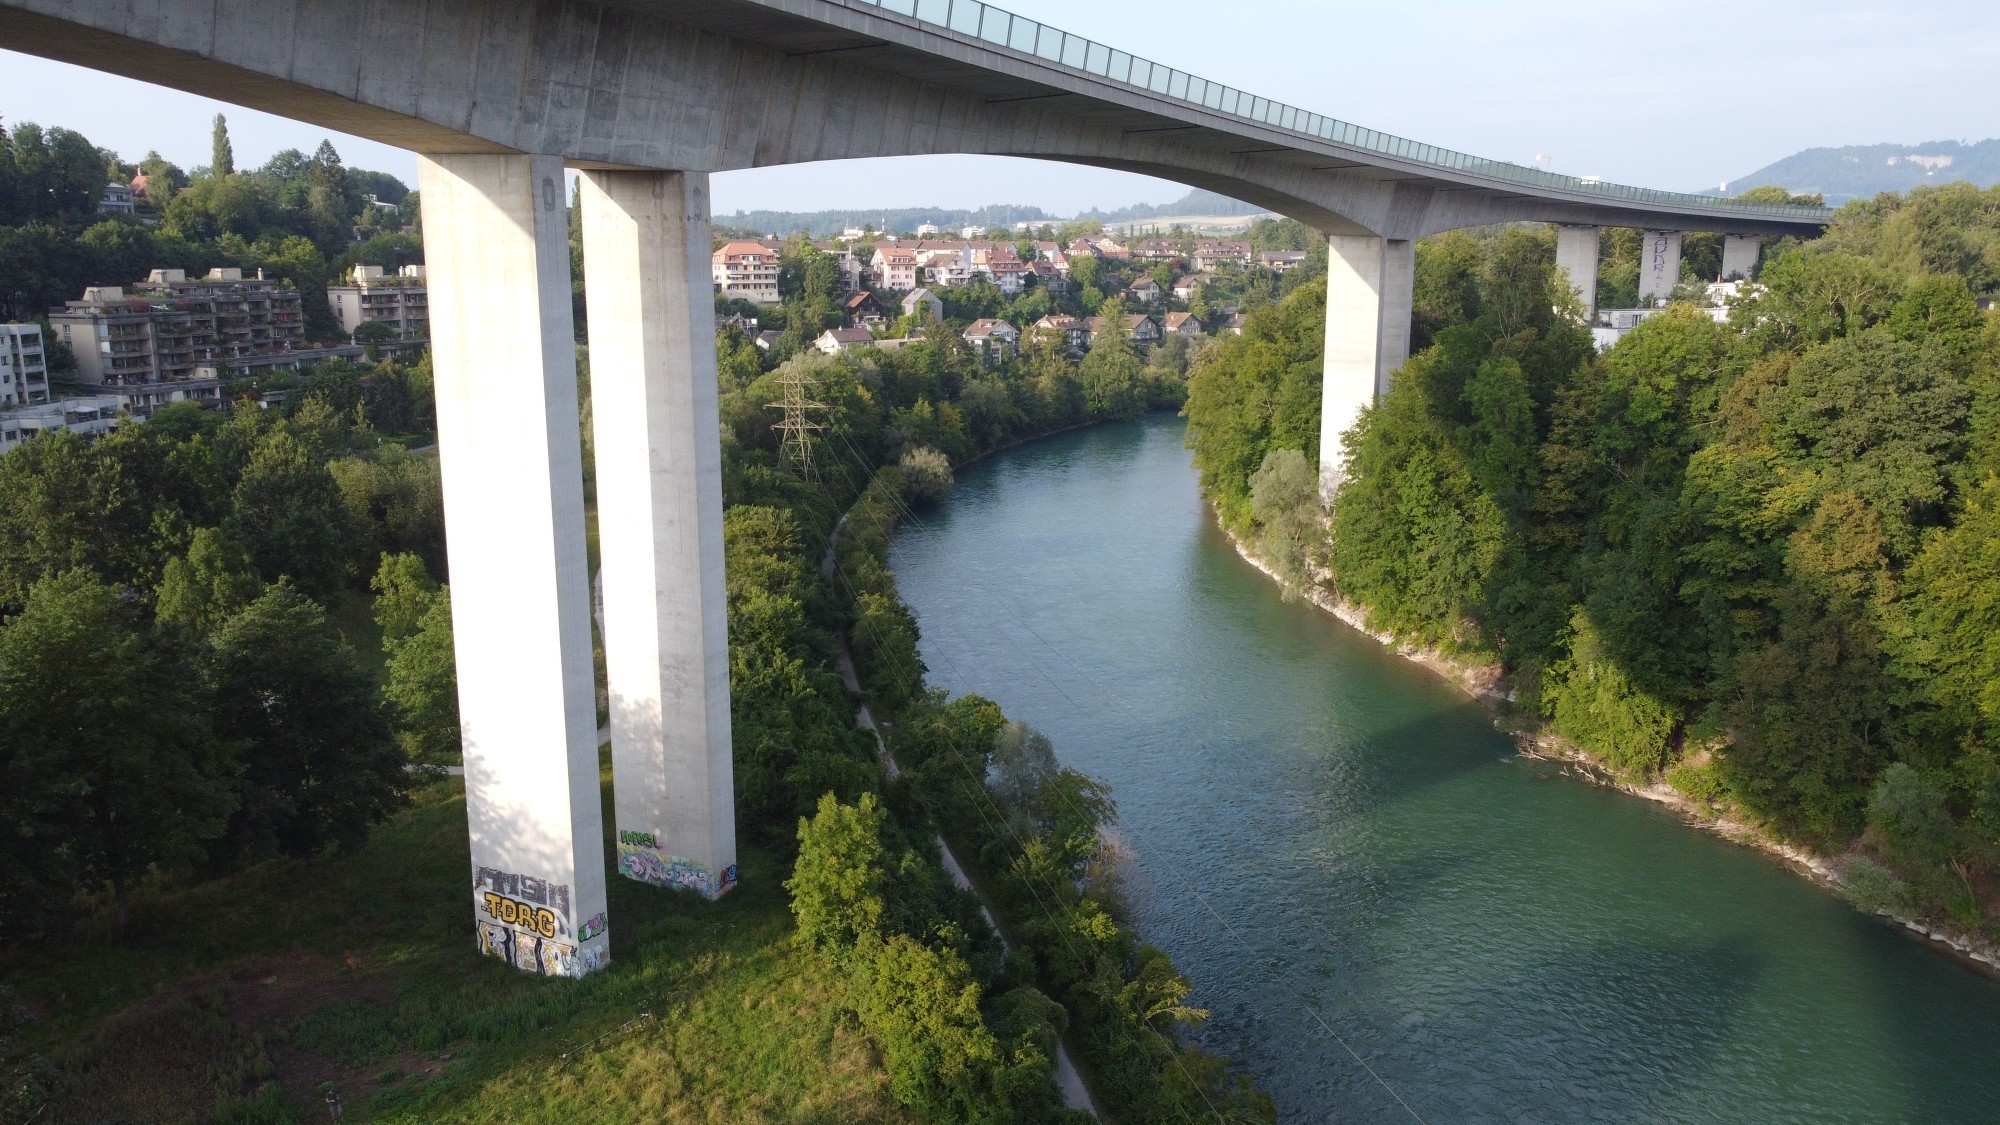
<point x="24" y="371"/>
<point x="746" y="270"/>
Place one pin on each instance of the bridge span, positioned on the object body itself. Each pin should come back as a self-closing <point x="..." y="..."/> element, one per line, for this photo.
<point x="647" y="98"/>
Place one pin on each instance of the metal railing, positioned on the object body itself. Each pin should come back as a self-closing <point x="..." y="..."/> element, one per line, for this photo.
<point x="994" y="27"/>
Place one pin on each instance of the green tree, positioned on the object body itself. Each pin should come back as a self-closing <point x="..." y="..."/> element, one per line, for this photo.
<point x="110" y="768"/>
<point x="1284" y="499"/>
<point x="1112" y="376"/>
<point x="318" y="762"/>
<point x="288" y="511"/>
<point x="422" y="684"/>
<point x="837" y="882"/>
<point x="404" y="591"/>
<point x="222" y="156"/>
<point x="208" y="584"/>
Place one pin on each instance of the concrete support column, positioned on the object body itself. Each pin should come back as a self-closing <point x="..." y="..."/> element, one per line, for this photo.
<point x="1659" y="266"/>
<point x="659" y="518"/>
<point x="1739" y="256"/>
<point x="496" y="245"/>
<point x="1576" y="259"/>
<point x="1368" y="293"/>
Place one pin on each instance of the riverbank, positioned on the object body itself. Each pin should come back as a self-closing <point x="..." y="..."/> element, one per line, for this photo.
<point x="1488" y="684"/>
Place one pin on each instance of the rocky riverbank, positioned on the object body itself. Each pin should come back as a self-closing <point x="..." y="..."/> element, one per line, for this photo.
<point x="1488" y="684"/>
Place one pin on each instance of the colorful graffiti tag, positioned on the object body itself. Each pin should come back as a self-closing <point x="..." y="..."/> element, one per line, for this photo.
<point x="525" y="922"/>
<point x="641" y="857"/>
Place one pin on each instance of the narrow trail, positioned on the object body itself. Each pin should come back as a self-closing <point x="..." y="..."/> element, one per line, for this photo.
<point x="1075" y="1093"/>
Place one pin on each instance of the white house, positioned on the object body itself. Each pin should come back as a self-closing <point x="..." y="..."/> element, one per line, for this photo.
<point x="994" y="340"/>
<point x="834" y="341"/>
<point x="895" y="268"/>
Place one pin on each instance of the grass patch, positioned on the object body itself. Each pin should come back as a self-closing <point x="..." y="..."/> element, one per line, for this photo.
<point x="240" y="998"/>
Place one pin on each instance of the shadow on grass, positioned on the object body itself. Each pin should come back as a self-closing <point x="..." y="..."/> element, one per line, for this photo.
<point x="240" y="998"/>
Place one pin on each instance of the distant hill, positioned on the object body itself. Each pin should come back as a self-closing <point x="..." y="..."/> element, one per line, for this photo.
<point x="821" y="224"/>
<point x="1860" y="171"/>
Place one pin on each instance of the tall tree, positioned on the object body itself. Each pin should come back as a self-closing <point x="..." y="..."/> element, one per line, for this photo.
<point x="222" y="158"/>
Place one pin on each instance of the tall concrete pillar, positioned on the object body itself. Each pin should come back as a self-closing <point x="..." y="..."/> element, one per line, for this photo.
<point x="1739" y="256"/>
<point x="1576" y="259"/>
<point x="1659" y="266"/>
<point x="496" y="245"/>
<point x="1368" y="293"/>
<point x="659" y="519"/>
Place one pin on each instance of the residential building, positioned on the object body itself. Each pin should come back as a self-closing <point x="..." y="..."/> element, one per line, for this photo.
<point x="970" y="232"/>
<point x="173" y="338"/>
<point x="863" y="309"/>
<point x="117" y="200"/>
<point x="1234" y="324"/>
<point x="834" y="341"/>
<point x="994" y="340"/>
<point x="91" y="415"/>
<point x="851" y="234"/>
<point x="24" y="371"/>
<point x="746" y="270"/>
<point x="1048" y="278"/>
<point x="1004" y="266"/>
<point x="923" y="298"/>
<point x="1212" y="254"/>
<point x="766" y="338"/>
<point x="947" y="265"/>
<point x="1280" y="260"/>
<point x="1141" y="329"/>
<point x="1071" y="333"/>
<point x="895" y="268"/>
<point x="926" y="230"/>
<point x="398" y="300"/>
<point x="1145" y="291"/>
<point x="1156" y="250"/>
<point x="1189" y="287"/>
<point x="1180" y="324"/>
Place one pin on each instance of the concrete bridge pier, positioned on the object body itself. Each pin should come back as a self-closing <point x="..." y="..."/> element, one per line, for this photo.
<point x="1576" y="260"/>
<point x="1368" y="294"/>
<point x="1739" y="256"/>
<point x="496" y="244"/>
<point x="1659" y="266"/>
<point x="659" y="512"/>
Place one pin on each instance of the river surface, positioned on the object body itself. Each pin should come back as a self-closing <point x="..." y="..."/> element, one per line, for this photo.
<point x="1353" y="866"/>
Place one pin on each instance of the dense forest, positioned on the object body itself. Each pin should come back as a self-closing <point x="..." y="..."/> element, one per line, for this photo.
<point x="1754" y="559"/>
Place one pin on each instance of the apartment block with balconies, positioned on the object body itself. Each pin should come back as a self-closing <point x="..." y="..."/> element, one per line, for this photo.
<point x="398" y="300"/>
<point x="171" y="337"/>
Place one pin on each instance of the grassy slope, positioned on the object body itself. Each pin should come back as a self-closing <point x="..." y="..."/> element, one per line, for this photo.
<point x="360" y="970"/>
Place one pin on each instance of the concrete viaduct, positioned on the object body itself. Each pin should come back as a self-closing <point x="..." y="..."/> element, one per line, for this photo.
<point x="647" y="98"/>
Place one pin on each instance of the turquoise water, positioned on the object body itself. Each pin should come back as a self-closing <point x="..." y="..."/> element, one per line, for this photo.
<point x="1353" y="867"/>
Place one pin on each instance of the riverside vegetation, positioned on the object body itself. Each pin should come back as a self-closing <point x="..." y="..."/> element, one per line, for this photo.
<point x="1754" y="561"/>
<point x="229" y="896"/>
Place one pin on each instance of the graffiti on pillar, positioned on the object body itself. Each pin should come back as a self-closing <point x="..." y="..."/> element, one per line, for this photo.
<point x="640" y="857"/>
<point x="525" y="921"/>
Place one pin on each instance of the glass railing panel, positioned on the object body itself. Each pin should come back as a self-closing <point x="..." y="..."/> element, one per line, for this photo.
<point x="934" y="11"/>
<point x="1098" y="59"/>
<point x="996" y="27"/>
<point x="965" y="16"/>
<point x="1121" y="67"/>
<point x="1049" y="44"/>
<point x="1178" y="86"/>
<point x="1142" y="72"/>
<point x="1022" y="37"/>
<point x="1161" y="76"/>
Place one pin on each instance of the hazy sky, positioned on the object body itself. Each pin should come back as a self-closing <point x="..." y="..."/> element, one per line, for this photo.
<point x="1679" y="96"/>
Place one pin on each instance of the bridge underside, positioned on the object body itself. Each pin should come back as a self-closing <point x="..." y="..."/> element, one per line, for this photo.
<point x="648" y="97"/>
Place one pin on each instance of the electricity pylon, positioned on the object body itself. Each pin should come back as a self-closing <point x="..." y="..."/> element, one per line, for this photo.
<point x="798" y="425"/>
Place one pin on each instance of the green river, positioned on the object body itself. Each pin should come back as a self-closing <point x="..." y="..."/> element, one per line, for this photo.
<point x="1391" y="915"/>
